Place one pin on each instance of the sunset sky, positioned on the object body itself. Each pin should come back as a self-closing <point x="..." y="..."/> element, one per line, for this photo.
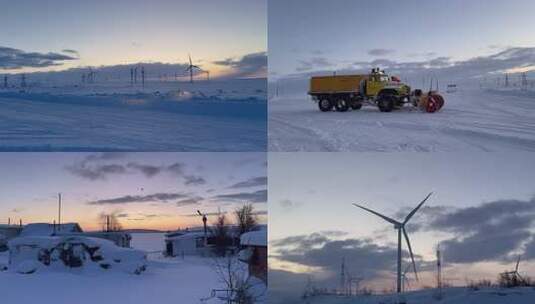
<point x="307" y="36"/>
<point x="482" y="213"/>
<point x="145" y="190"/>
<point x="95" y="33"/>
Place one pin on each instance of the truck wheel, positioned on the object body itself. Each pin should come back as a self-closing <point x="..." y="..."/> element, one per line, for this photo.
<point x="386" y="103"/>
<point x="356" y="105"/>
<point x="341" y="105"/>
<point x="325" y="105"/>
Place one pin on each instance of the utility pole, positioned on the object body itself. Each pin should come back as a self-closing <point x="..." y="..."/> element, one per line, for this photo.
<point x="439" y="272"/>
<point x="59" y="211"/>
<point x="8" y="221"/>
<point x="343" y="275"/>
<point x="524" y="81"/>
<point x="5" y="81"/>
<point x="132" y="76"/>
<point x="23" y="81"/>
<point x="143" y="76"/>
<point x="506" y="80"/>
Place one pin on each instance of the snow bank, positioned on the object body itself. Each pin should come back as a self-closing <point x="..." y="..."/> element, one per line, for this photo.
<point x="454" y="295"/>
<point x="55" y="253"/>
<point x="216" y="116"/>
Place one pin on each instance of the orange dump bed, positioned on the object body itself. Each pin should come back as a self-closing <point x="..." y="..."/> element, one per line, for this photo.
<point x="336" y="84"/>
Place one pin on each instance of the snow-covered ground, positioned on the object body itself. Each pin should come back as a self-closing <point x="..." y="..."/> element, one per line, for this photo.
<point x="163" y="116"/>
<point x="471" y="120"/>
<point x="166" y="280"/>
<point x="450" y="296"/>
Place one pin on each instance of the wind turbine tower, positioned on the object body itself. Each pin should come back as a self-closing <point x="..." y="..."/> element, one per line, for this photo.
<point x="400" y="227"/>
<point x="439" y="272"/>
<point x="343" y="276"/>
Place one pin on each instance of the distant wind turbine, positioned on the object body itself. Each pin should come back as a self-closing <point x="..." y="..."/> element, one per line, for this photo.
<point x="400" y="227"/>
<point x="515" y="275"/>
<point x="190" y="69"/>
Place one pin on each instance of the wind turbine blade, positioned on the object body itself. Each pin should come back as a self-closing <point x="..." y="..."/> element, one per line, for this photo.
<point x="189" y="56"/>
<point x="410" y="251"/>
<point x="199" y="212"/>
<point x="386" y="218"/>
<point x="416" y="209"/>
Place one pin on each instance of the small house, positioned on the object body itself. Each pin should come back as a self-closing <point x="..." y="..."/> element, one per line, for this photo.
<point x="254" y="253"/>
<point x="181" y="243"/>
<point x="197" y="242"/>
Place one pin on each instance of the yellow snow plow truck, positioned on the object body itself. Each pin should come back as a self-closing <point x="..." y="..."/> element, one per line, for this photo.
<point x="342" y="92"/>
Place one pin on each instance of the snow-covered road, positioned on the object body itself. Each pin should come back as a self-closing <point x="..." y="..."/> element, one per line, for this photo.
<point x="472" y="120"/>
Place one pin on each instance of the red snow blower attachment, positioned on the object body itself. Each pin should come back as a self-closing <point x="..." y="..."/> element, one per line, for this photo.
<point x="431" y="102"/>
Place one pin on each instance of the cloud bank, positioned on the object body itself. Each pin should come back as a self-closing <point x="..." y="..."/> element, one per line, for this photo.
<point x="13" y="59"/>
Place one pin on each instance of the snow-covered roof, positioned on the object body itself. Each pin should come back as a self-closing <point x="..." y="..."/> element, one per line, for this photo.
<point x="52" y="241"/>
<point x="188" y="235"/>
<point x="254" y="238"/>
<point x="45" y="229"/>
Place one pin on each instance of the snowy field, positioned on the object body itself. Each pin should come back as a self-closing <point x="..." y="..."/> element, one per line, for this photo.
<point x="471" y="120"/>
<point x="163" y="116"/>
<point x="165" y="281"/>
<point x="450" y="296"/>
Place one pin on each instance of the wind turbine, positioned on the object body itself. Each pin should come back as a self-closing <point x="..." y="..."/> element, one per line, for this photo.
<point x="400" y="227"/>
<point x="190" y="69"/>
<point x="514" y="274"/>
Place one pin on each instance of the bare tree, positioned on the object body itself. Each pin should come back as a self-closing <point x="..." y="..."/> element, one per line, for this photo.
<point x="109" y="222"/>
<point x="246" y="218"/>
<point x="222" y="238"/>
<point x="239" y="289"/>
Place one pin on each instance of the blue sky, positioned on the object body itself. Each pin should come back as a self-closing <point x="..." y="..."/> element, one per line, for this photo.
<point x="148" y="190"/>
<point x="325" y="35"/>
<point x="479" y="200"/>
<point x="127" y="31"/>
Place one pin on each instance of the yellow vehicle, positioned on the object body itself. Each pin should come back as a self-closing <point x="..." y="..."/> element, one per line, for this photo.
<point x="345" y="91"/>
